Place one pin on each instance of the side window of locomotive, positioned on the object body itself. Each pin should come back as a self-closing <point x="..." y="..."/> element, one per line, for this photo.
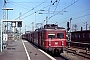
<point x="83" y="35"/>
<point x="60" y="35"/>
<point x="89" y="35"/>
<point x="51" y="35"/>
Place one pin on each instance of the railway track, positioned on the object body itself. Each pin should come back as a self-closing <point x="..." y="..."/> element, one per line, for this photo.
<point x="60" y="57"/>
<point x="73" y="54"/>
<point x="76" y="54"/>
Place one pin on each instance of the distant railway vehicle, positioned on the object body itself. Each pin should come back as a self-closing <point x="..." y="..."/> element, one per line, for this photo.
<point x="81" y="38"/>
<point x="50" y="38"/>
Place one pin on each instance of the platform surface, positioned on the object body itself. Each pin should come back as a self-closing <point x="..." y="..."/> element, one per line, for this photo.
<point x="22" y="50"/>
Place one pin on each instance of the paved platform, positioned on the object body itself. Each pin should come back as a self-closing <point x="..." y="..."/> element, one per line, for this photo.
<point x="23" y="50"/>
<point x="14" y="51"/>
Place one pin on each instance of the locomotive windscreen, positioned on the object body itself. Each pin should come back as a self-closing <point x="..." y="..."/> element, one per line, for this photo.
<point x="51" y="35"/>
<point x="60" y="35"/>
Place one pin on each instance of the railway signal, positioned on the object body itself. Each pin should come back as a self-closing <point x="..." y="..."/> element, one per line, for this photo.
<point x="68" y="28"/>
<point x="19" y="24"/>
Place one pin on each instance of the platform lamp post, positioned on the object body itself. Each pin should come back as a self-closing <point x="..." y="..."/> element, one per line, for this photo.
<point x="7" y="14"/>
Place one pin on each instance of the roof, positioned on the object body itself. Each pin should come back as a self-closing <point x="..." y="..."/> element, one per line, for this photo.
<point x="81" y="31"/>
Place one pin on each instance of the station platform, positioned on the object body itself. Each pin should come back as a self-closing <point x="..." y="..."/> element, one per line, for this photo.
<point x="23" y="50"/>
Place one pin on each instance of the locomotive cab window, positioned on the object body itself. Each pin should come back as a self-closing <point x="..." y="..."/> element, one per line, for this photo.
<point x="51" y="35"/>
<point x="60" y="35"/>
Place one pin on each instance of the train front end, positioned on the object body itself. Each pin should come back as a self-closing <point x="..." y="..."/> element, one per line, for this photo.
<point x="55" y="41"/>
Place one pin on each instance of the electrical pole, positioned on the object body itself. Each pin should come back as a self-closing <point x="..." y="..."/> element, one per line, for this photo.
<point x="35" y="19"/>
<point x="70" y="28"/>
<point x="4" y="12"/>
<point x="47" y="20"/>
<point x="86" y="25"/>
<point x="20" y="27"/>
<point x="32" y="26"/>
<point x="75" y="27"/>
<point x="25" y="28"/>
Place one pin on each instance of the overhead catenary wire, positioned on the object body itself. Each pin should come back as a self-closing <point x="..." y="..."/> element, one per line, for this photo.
<point x="37" y="11"/>
<point x="78" y="17"/>
<point x="76" y="14"/>
<point x="54" y="14"/>
<point x="56" y="7"/>
<point x="31" y="9"/>
<point x="56" y="2"/>
<point x="64" y="9"/>
<point x="28" y="2"/>
<point x="20" y="5"/>
<point x="81" y="16"/>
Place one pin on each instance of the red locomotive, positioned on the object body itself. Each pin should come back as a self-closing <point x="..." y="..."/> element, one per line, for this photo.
<point x="50" y="38"/>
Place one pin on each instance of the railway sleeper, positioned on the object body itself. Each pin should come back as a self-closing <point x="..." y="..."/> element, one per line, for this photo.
<point x="79" y="54"/>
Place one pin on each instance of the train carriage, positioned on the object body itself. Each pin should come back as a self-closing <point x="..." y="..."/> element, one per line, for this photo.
<point x="35" y="38"/>
<point x="80" y="38"/>
<point x="50" y="38"/>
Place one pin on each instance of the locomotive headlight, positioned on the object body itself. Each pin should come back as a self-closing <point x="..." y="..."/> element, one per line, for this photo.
<point x="49" y="44"/>
<point x="62" y="43"/>
<point x="56" y="43"/>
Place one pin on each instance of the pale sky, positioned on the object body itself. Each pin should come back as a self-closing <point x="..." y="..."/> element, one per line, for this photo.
<point x="59" y="11"/>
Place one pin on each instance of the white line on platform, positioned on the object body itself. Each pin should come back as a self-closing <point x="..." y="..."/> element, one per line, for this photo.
<point x="26" y="50"/>
<point x="25" y="41"/>
<point x="47" y="54"/>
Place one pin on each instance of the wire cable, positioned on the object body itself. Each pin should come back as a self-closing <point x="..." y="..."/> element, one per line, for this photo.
<point x="79" y="12"/>
<point x="77" y="18"/>
<point x="36" y="11"/>
<point x="64" y="9"/>
<point x="27" y="2"/>
<point x="31" y="9"/>
<point x="56" y="7"/>
<point x="76" y="14"/>
<point x="81" y="16"/>
<point x="22" y="6"/>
